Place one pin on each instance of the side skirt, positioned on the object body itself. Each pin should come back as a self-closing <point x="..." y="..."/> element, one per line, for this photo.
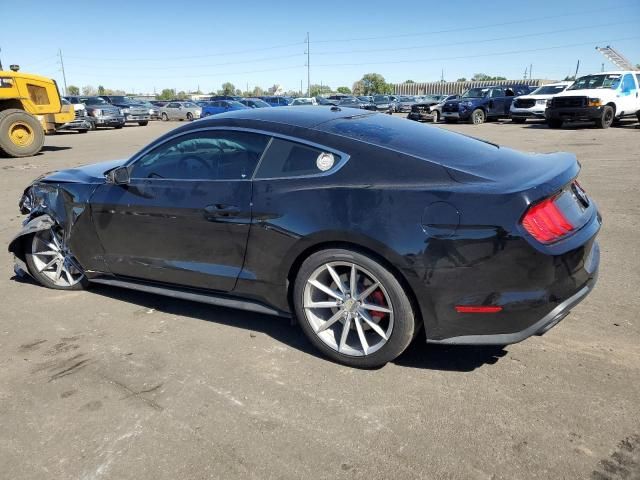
<point x="218" y="300"/>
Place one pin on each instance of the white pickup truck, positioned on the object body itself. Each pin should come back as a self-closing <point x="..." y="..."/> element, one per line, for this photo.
<point x="602" y="98"/>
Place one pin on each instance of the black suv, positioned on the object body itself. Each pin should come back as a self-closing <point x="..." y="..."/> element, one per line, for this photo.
<point x="478" y="104"/>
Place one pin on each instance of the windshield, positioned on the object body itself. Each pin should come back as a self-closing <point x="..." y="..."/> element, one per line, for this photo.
<point x="549" y="90"/>
<point x="475" y="93"/>
<point x="407" y="99"/>
<point x="380" y="98"/>
<point x="233" y="103"/>
<point x="122" y="99"/>
<point x="93" y="101"/>
<point x="259" y="103"/>
<point x="611" y="80"/>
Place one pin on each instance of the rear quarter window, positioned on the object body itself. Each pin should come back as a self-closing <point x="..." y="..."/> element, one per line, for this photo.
<point x="285" y="159"/>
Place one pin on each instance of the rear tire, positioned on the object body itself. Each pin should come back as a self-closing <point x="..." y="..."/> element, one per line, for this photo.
<point x="21" y="135"/>
<point x="386" y="332"/>
<point x="554" y="123"/>
<point x="190" y="116"/>
<point x="607" y="117"/>
<point x="118" y="127"/>
<point x="50" y="264"/>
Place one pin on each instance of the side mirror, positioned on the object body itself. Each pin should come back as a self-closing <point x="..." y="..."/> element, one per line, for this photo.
<point x="118" y="176"/>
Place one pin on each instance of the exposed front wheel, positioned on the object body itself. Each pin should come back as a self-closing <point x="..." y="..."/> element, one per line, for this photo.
<point x="165" y="117"/>
<point x="352" y="308"/>
<point x="607" y="117"/>
<point x="189" y="116"/>
<point x="435" y="116"/>
<point x="51" y="263"/>
<point x="478" y="116"/>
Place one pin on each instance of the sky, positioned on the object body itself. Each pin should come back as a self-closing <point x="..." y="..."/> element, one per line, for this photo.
<point x="145" y="46"/>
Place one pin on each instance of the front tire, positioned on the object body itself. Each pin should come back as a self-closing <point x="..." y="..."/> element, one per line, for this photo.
<point x="165" y="117"/>
<point x="352" y="308"/>
<point x="21" y="135"/>
<point x="478" y="116"/>
<point x="607" y="117"/>
<point x="143" y="123"/>
<point x="435" y="116"/>
<point x="190" y="116"/>
<point x="554" y="123"/>
<point x="51" y="263"/>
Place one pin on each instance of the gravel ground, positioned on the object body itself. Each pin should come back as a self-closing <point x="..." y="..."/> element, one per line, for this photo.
<point x="109" y="383"/>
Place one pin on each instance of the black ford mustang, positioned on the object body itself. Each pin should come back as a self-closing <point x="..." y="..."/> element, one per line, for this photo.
<point x="363" y="226"/>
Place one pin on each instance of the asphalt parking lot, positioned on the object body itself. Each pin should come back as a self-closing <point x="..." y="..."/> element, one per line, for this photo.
<point x="109" y="383"/>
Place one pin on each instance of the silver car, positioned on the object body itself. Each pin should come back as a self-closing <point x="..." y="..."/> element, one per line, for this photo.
<point x="180" y="111"/>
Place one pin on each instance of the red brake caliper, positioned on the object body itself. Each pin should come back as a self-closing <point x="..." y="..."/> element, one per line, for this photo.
<point x="378" y="296"/>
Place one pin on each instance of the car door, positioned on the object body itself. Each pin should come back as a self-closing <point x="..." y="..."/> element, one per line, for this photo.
<point x="184" y="216"/>
<point x="496" y="104"/>
<point x="171" y="109"/>
<point x="628" y="95"/>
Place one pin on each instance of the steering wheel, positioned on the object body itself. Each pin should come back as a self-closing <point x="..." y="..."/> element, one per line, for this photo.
<point x="184" y="161"/>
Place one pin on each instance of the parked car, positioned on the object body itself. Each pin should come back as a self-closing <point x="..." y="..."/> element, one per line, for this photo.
<point x="476" y="105"/>
<point x="221" y="106"/>
<point x="235" y="98"/>
<point x="324" y="101"/>
<point x="296" y="102"/>
<point x="353" y="102"/>
<point x="132" y="110"/>
<point x="254" y="103"/>
<point x="365" y="98"/>
<point x="277" y="101"/>
<point x="103" y="113"/>
<point x="383" y="103"/>
<point x="154" y="111"/>
<point x="180" y="111"/>
<point x="429" y="108"/>
<point x="81" y="122"/>
<point x="404" y="103"/>
<point x="493" y="247"/>
<point x="602" y="98"/>
<point x="534" y="104"/>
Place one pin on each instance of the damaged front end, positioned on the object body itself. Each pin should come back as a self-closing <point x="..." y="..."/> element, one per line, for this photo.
<point x="54" y="205"/>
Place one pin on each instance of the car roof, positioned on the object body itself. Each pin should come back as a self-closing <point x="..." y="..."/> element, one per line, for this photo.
<point x="303" y="116"/>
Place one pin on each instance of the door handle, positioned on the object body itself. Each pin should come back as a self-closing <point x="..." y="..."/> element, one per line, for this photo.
<point x="221" y="210"/>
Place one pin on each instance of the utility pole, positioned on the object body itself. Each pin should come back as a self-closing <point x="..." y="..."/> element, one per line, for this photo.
<point x="0" y="59"/>
<point x="530" y="70"/>
<point x="577" y="68"/>
<point x="300" y="87"/>
<point x="442" y="76"/>
<point x="601" y="68"/>
<point x="308" y="67"/>
<point x="525" y="73"/>
<point x="64" y="76"/>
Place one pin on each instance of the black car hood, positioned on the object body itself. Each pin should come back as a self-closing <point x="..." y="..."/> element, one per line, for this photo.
<point x="93" y="173"/>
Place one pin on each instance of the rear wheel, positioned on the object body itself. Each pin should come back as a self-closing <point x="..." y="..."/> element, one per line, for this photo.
<point x="51" y="263"/>
<point x="352" y="308"/>
<point x="118" y="127"/>
<point x="21" y="135"/>
<point x="607" y="117"/>
<point x="554" y="123"/>
<point x="478" y="116"/>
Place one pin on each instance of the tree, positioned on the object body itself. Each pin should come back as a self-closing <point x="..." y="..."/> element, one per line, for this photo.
<point x="409" y="81"/>
<point x="345" y="90"/>
<point x="228" y="88"/>
<point x="167" y="94"/>
<point x="358" y="88"/>
<point x="318" y="90"/>
<point x="89" y="91"/>
<point x="373" y="83"/>
<point x="461" y="79"/>
<point x="483" y="76"/>
<point x="101" y="90"/>
<point x="258" y="92"/>
<point x="73" y="90"/>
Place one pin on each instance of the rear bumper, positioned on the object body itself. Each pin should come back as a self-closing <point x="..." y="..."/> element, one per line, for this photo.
<point x="573" y="113"/>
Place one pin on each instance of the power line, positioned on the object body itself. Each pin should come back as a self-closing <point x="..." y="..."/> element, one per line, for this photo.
<point x="460" y="57"/>
<point x="165" y="58"/>
<point x="477" y="27"/>
<point x="467" y="42"/>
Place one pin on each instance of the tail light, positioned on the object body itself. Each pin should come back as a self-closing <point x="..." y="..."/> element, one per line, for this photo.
<point x="546" y="222"/>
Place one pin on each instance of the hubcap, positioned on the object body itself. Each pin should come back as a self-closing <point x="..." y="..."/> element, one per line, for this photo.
<point x="348" y="308"/>
<point x="477" y="118"/>
<point x="21" y="134"/>
<point x="52" y="258"/>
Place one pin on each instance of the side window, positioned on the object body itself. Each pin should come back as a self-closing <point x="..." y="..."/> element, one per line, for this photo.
<point x="284" y="159"/>
<point x="497" y="92"/>
<point x="628" y="85"/>
<point x="210" y="155"/>
<point x="172" y="105"/>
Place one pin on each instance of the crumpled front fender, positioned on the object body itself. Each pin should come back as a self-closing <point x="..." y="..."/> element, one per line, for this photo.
<point x="16" y="245"/>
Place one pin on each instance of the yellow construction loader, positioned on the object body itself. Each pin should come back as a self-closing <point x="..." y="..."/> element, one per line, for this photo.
<point x="30" y="106"/>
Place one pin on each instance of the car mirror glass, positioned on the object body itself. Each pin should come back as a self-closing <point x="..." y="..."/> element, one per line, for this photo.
<point x="118" y="176"/>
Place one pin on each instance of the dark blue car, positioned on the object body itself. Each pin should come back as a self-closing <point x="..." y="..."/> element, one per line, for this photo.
<point x="221" y="106"/>
<point x="479" y="104"/>
<point x="278" y="101"/>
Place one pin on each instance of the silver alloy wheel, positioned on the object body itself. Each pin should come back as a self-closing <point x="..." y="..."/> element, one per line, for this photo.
<point x="53" y="259"/>
<point x="348" y="308"/>
<point x="478" y="117"/>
